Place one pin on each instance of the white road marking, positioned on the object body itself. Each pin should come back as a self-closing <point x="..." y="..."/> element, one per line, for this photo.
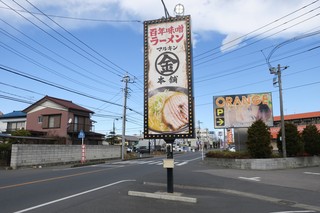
<point x="306" y="211"/>
<point x="252" y="178"/>
<point x="108" y="166"/>
<point x="72" y="196"/>
<point x="158" y="163"/>
<point x="311" y="173"/>
<point x="183" y="163"/>
<point x="154" y="162"/>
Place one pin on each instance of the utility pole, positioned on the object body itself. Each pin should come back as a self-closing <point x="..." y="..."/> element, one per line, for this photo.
<point x="126" y="80"/>
<point x="199" y="141"/>
<point x="277" y="72"/>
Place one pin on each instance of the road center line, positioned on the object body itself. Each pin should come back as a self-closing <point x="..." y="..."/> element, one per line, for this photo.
<point x="51" y="179"/>
<point x="72" y="196"/>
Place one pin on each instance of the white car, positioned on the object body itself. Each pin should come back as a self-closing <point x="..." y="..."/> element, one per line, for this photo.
<point x="232" y="149"/>
<point x="178" y="149"/>
<point x="129" y="149"/>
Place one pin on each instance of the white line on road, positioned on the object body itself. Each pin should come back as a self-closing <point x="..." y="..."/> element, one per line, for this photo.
<point x="294" y="211"/>
<point x="72" y="196"/>
<point x="311" y="173"/>
<point x="252" y="178"/>
<point x="183" y="163"/>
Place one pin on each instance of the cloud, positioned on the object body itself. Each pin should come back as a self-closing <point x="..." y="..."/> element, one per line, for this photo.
<point x="229" y="18"/>
<point x="231" y="41"/>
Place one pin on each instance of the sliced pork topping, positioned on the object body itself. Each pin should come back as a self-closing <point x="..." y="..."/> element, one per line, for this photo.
<point x="175" y="111"/>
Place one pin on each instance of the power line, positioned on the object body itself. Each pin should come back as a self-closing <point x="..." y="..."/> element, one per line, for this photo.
<point x="241" y="69"/>
<point x="2" y="67"/>
<point x="20" y="73"/>
<point x="15" y="99"/>
<point x="63" y="43"/>
<point x="264" y="26"/>
<point x="73" y="36"/>
<point x="263" y="38"/>
<point x="47" y="68"/>
<point x="269" y="79"/>
<point x="20" y="88"/>
<point x="97" y="80"/>
<point x="81" y="19"/>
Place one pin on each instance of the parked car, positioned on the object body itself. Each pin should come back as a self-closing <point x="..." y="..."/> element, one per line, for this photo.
<point x="178" y="149"/>
<point x="231" y="148"/>
<point x="129" y="149"/>
<point x="142" y="149"/>
<point x="158" y="148"/>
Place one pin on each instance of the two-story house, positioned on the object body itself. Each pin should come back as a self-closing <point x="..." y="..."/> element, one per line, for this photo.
<point x="54" y="117"/>
<point x="12" y="121"/>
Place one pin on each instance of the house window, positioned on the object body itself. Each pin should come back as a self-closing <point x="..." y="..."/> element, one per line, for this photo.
<point x="13" y="126"/>
<point x="51" y="121"/>
<point x="40" y="118"/>
<point x="75" y="126"/>
<point x="79" y="123"/>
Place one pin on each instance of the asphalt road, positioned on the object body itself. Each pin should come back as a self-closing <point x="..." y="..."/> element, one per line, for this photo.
<point x="105" y="187"/>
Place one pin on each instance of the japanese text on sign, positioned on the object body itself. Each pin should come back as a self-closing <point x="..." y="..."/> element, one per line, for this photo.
<point x="166" y="35"/>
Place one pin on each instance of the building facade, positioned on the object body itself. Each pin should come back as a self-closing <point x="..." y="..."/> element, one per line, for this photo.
<point x="54" y="117"/>
<point x="301" y="120"/>
<point x="12" y="121"/>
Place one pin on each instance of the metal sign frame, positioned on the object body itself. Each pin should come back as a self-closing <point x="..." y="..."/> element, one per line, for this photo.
<point x="168" y="83"/>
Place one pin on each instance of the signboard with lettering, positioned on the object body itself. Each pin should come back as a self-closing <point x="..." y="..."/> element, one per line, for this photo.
<point x="168" y="92"/>
<point x="242" y="110"/>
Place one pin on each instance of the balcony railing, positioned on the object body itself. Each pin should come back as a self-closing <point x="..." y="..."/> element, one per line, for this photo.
<point x="77" y="127"/>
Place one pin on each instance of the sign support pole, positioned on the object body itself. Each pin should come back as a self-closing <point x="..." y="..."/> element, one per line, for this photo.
<point x="169" y="170"/>
<point x="83" y="146"/>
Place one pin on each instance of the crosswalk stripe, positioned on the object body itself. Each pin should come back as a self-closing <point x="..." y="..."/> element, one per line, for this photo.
<point x="183" y="163"/>
<point x="149" y="162"/>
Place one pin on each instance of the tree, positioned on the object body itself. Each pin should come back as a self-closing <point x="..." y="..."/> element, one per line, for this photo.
<point x="20" y="132"/>
<point x="294" y="145"/>
<point x="311" y="139"/>
<point x="259" y="140"/>
<point x="113" y="140"/>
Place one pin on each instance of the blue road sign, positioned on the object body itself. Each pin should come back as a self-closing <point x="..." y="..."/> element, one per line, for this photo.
<point x="81" y="134"/>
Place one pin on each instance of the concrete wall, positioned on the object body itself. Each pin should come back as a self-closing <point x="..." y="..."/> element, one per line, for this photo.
<point x="265" y="164"/>
<point x="34" y="154"/>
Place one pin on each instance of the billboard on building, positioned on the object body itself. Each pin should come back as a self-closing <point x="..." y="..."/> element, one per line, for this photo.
<point x="231" y="111"/>
<point x="168" y="92"/>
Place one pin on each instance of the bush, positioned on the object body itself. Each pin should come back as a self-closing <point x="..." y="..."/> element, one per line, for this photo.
<point x="5" y="147"/>
<point x="5" y="154"/>
<point x="259" y="140"/>
<point x="311" y="140"/>
<point x="294" y="145"/>
<point x="21" y="132"/>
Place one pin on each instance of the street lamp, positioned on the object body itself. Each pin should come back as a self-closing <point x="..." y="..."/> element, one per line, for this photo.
<point x="179" y="10"/>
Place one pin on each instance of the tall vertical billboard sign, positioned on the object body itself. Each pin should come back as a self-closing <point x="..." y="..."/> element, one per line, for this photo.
<point x="168" y="92"/>
<point x="231" y="111"/>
